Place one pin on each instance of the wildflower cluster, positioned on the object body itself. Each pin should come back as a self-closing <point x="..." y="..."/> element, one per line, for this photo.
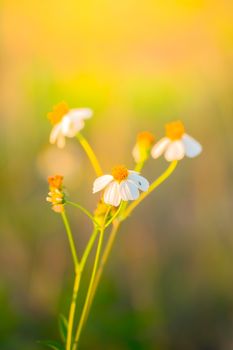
<point x="121" y="191"/>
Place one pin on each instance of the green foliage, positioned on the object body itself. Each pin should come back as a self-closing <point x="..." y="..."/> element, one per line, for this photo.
<point x="63" y="325"/>
<point x="52" y="344"/>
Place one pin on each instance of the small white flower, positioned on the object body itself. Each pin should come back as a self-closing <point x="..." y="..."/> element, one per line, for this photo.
<point x="67" y="122"/>
<point x="176" y="144"/>
<point x="123" y="184"/>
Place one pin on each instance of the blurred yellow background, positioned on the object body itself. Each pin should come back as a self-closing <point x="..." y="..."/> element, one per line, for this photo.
<point x="138" y="65"/>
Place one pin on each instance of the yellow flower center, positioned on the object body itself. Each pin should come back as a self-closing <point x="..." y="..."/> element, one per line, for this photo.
<point x="58" y="112"/>
<point x="120" y="172"/>
<point x="175" y="130"/>
<point x="145" y="139"/>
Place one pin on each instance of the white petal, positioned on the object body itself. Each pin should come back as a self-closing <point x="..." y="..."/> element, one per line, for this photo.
<point x="112" y="194"/>
<point x="128" y="190"/>
<point x="75" y="127"/>
<point x="175" y="151"/>
<point x="81" y="113"/>
<point x="159" y="148"/>
<point x="101" y="182"/>
<point x="61" y="141"/>
<point x="192" y="147"/>
<point x="136" y="153"/>
<point x="140" y="181"/>
<point x="65" y="124"/>
<point x="71" y="126"/>
<point x="54" y="133"/>
<point x="133" y="172"/>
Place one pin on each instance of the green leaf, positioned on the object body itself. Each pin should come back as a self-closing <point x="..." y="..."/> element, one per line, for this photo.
<point x="63" y="325"/>
<point x="51" y="344"/>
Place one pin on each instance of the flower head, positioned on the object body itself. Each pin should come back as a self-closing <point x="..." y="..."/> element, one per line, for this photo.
<point x="66" y="122"/>
<point x="56" y="195"/>
<point x="122" y="184"/>
<point x="142" y="148"/>
<point x="176" y="144"/>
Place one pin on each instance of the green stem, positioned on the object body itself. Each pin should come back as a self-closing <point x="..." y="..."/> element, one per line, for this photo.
<point x="115" y="215"/>
<point x="76" y="287"/>
<point x="72" y="309"/>
<point x="89" y="292"/>
<point x="90" y="154"/>
<point x="139" y="166"/>
<point x="85" y="211"/>
<point x="88" y="248"/>
<point x="155" y="184"/>
<point x="71" y="240"/>
<point x="103" y="261"/>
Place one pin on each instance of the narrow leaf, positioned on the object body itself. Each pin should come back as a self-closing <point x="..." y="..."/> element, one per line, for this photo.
<point x="51" y="344"/>
<point x="63" y="325"/>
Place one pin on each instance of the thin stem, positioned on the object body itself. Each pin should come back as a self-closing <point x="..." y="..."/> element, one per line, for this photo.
<point x="90" y="154"/>
<point x="89" y="292"/>
<point x="115" y="215"/>
<point x="85" y="211"/>
<point x="71" y="240"/>
<point x="103" y="261"/>
<point x="76" y="287"/>
<point x="155" y="184"/>
<point x="139" y="166"/>
<point x="88" y="248"/>
<point x="72" y="309"/>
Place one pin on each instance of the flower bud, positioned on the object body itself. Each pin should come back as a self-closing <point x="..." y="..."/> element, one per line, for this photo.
<point x="56" y="195"/>
<point x="101" y="211"/>
<point x="141" y="150"/>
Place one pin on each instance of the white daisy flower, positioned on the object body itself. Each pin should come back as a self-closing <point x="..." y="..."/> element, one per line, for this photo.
<point x="123" y="184"/>
<point x="176" y="144"/>
<point x="67" y="122"/>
